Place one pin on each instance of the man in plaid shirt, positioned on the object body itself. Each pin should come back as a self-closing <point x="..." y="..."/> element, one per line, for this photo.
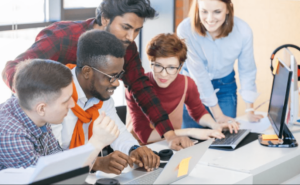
<point x="44" y="90"/>
<point x="124" y="19"/>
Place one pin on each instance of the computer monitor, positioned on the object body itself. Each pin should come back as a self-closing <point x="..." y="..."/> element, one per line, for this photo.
<point x="293" y="103"/>
<point x="279" y="100"/>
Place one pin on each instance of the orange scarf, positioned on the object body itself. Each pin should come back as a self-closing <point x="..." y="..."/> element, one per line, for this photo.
<point x="91" y="114"/>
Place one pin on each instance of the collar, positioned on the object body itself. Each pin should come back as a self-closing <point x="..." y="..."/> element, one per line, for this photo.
<point x="91" y="23"/>
<point x="25" y="120"/>
<point x="80" y="92"/>
<point x="44" y="128"/>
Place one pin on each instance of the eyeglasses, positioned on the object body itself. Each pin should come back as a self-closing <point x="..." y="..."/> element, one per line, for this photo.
<point x="170" y="70"/>
<point x="112" y="79"/>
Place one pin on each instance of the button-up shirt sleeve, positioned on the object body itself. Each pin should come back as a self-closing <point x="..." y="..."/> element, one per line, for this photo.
<point x="247" y="67"/>
<point x="17" y="151"/>
<point x="138" y="84"/>
<point x="57" y="42"/>
<point x="46" y="46"/>
<point x="210" y="59"/>
<point x="125" y="140"/>
<point x="197" y="69"/>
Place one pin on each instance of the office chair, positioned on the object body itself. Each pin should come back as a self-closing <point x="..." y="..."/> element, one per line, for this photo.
<point x="121" y="111"/>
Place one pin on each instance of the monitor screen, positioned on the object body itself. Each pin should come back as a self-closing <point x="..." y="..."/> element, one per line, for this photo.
<point x="279" y="97"/>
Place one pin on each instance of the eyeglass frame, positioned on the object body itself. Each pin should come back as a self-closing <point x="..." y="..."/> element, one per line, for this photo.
<point x="112" y="78"/>
<point x="165" y="68"/>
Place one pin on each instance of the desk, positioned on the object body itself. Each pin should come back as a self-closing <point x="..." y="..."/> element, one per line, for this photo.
<point x="267" y="165"/>
<point x="252" y="163"/>
<point x="201" y="174"/>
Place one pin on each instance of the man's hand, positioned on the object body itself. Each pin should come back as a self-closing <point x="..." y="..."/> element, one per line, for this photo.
<point x="144" y="156"/>
<point x="113" y="163"/>
<point x="105" y="131"/>
<point x="179" y="142"/>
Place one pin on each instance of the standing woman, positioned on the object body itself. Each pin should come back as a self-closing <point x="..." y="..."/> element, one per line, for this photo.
<point x="215" y="40"/>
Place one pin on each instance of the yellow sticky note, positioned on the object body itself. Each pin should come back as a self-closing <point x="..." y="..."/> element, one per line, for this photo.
<point x="183" y="167"/>
<point x="275" y="70"/>
<point x="269" y="137"/>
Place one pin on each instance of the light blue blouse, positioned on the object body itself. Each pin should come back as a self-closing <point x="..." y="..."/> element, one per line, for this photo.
<point x="209" y="59"/>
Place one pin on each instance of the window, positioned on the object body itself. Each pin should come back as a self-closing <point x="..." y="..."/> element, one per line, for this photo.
<point x="20" y="11"/>
<point x="12" y="44"/>
<point x="81" y="3"/>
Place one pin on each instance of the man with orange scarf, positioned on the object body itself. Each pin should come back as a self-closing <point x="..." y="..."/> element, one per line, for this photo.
<point x="99" y="67"/>
<point x="43" y="95"/>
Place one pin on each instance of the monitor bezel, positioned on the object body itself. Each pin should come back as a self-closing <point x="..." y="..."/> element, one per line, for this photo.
<point x="282" y="122"/>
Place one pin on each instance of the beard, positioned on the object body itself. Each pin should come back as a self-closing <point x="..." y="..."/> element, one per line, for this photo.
<point x="125" y="43"/>
<point x="95" y="93"/>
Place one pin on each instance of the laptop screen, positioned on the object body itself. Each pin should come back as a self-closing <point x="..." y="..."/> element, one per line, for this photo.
<point x="279" y="97"/>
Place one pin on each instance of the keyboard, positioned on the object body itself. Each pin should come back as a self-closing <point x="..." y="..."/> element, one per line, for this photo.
<point x="148" y="178"/>
<point x="231" y="140"/>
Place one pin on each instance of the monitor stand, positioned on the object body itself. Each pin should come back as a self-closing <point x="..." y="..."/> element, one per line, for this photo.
<point x="294" y="128"/>
<point x="280" y="143"/>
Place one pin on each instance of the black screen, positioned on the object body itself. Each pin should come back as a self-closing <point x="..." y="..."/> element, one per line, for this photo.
<point x="279" y="95"/>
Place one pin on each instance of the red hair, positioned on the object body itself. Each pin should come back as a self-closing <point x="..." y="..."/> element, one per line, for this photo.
<point x="166" y="45"/>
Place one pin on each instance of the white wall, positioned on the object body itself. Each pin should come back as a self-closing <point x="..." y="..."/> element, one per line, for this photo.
<point x="164" y="23"/>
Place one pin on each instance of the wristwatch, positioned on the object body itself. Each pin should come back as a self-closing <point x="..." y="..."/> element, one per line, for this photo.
<point x="133" y="148"/>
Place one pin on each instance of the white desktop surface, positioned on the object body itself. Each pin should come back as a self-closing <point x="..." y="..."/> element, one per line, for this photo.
<point x="266" y="164"/>
<point x="201" y="174"/>
<point x="252" y="158"/>
<point x="211" y="175"/>
<point x="251" y="163"/>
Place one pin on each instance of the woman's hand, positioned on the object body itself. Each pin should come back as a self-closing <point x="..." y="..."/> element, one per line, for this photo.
<point x="252" y="117"/>
<point x="231" y="126"/>
<point x="219" y="116"/>
<point x="224" y="119"/>
<point x="204" y="134"/>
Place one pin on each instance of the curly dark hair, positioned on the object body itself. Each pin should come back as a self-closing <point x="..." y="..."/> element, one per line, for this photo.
<point x="94" y="46"/>
<point x="112" y="8"/>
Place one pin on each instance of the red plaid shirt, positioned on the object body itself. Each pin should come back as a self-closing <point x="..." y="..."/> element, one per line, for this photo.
<point x="58" y="42"/>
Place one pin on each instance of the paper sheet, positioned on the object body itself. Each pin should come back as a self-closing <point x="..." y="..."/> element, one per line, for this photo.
<point x="269" y="137"/>
<point x="258" y="127"/>
<point x="275" y="70"/>
<point x="16" y="175"/>
<point x="48" y="166"/>
<point x="183" y="167"/>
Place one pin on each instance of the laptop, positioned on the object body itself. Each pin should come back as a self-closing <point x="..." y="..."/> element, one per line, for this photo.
<point x="230" y="140"/>
<point x="61" y="163"/>
<point x="77" y="176"/>
<point x="179" y="166"/>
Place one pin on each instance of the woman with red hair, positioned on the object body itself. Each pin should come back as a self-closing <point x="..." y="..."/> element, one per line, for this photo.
<point x="167" y="53"/>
